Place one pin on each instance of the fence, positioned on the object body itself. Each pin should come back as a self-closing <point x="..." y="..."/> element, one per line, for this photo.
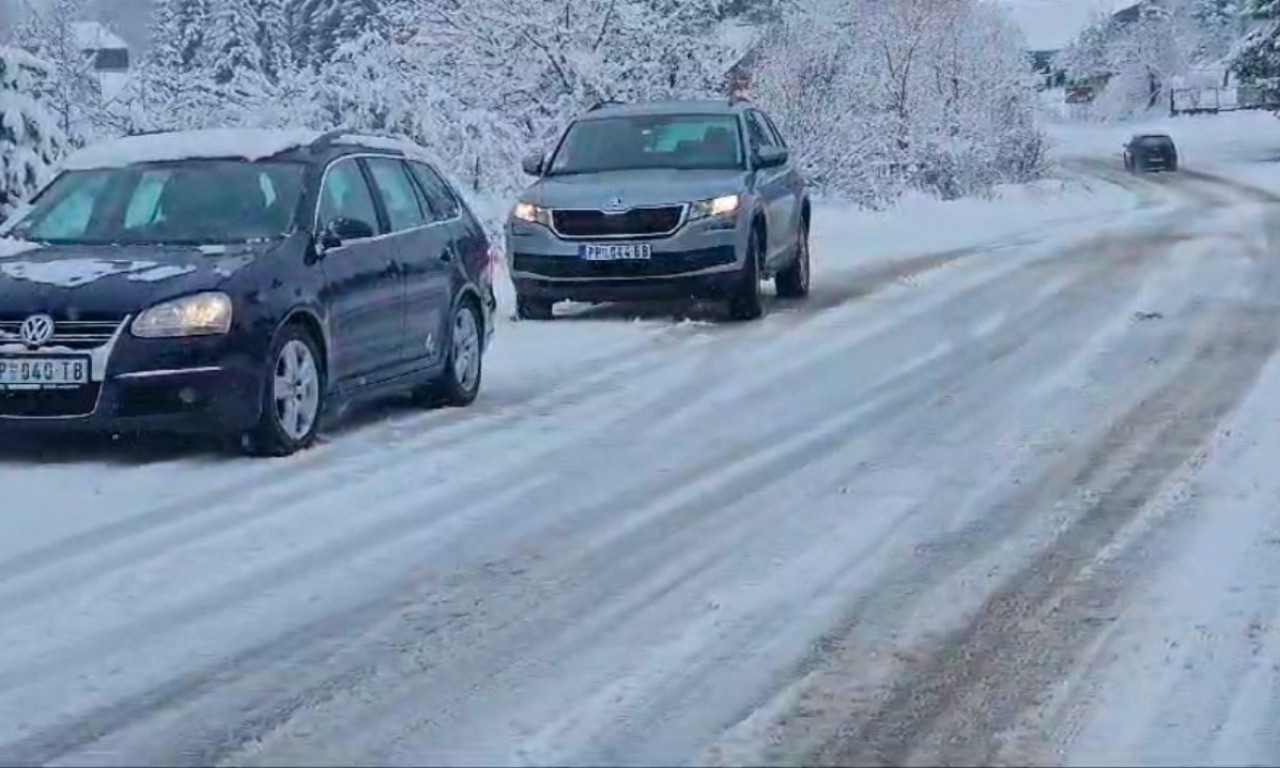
<point x="1196" y="101"/>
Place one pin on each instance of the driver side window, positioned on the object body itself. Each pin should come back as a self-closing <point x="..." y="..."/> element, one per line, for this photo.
<point x="346" y="193"/>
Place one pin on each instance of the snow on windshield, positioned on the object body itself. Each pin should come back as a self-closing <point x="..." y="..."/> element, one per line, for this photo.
<point x="246" y="143"/>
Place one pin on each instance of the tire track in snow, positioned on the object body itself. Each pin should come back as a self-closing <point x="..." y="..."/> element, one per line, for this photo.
<point x="637" y="559"/>
<point x="972" y="685"/>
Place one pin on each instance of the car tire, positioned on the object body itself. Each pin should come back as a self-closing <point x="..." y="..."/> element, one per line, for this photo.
<point x="534" y="308"/>
<point x="747" y="301"/>
<point x="459" y="384"/>
<point x="293" y="396"/>
<point x="793" y="282"/>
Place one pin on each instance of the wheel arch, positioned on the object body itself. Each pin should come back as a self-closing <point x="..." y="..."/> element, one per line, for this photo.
<point x="470" y="293"/>
<point x="309" y="320"/>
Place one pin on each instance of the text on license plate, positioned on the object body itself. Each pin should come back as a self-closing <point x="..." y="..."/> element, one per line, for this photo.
<point x="43" y="372"/>
<point x="620" y="252"/>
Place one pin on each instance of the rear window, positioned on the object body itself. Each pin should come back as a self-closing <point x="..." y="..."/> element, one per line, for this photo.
<point x="1155" y="142"/>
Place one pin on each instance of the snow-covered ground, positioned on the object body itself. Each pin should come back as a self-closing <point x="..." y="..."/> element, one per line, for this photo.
<point x="1001" y="489"/>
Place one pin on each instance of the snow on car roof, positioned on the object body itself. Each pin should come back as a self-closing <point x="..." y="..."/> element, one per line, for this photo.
<point x="242" y="143"/>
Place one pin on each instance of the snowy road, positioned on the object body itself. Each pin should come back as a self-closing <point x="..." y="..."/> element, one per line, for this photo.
<point x="1015" y="501"/>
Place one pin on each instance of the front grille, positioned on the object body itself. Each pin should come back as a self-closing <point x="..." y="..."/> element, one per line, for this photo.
<point x="36" y="403"/>
<point x="660" y="265"/>
<point x="638" y="222"/>
<point x="72" y="334"/>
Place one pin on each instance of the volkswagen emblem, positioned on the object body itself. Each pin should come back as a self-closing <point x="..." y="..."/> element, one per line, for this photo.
<point x="614" y="205"/>
<point x="36" y="330"/>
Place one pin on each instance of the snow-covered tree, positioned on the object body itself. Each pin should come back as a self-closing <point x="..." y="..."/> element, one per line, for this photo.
<point x="70" y="89"/>
<point x="317" y="28"/>
<point x="30" y="142"/>
<point x="884" y="95"/>
<point x="233" y="41"/>
<point x="178" y="34"/>
<point x="272" y="36"/>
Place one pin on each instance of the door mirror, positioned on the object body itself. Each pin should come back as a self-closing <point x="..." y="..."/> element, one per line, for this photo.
<point x="772" y="157"/>
<point x="533" y="164"/>
<point x="341" y="229"/>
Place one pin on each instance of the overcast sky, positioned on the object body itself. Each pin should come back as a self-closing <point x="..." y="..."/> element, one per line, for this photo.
<point x="1051" y="24"/>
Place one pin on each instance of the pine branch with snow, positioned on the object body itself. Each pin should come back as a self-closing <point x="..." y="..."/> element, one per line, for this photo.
<point x="30" y="140"/>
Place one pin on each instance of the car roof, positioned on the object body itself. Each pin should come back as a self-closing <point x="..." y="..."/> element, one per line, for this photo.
<point x="238" y="143"/>
<point x="667" y="107"/>
<point x="1152" y="136"/>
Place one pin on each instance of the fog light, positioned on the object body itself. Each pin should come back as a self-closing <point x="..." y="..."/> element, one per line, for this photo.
<point x="188" y="395"/>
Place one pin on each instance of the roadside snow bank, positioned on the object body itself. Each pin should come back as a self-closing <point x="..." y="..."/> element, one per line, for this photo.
<point x="846" y="236"/>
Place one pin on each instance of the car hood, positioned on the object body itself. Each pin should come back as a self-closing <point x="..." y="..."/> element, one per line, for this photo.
<point x="111" y="280"/>
<point x="634" y="188"/>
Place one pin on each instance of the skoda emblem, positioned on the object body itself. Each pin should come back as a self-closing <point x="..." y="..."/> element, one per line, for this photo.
<point x="36" y="330"/>
<point x="614" y="205"/>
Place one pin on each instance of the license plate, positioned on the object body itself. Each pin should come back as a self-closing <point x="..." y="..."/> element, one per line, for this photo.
<point x="43" y="372"/>
<point x="627" y="252"/>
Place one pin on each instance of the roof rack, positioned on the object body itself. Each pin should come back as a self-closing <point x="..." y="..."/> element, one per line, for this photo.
<point x="328" y="138"/>
<point x="606" y="103"/>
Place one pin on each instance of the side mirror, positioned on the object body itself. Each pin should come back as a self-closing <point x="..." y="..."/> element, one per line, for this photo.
<point x="341" y="229"/>
<point x="772" y="157"/>
<point x="533" y="164"/>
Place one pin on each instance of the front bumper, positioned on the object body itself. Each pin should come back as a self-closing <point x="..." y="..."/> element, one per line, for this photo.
<point x="702" y="260"/>
<point x="209" y="385"/>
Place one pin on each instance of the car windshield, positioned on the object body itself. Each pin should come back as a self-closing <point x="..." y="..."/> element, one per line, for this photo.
<point x="188" y="202"/>
<point x="650" y="141"/>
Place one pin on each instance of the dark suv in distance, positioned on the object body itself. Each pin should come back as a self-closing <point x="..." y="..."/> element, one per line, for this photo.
<point x="242" y="283"/>
<point x="1150" y="152"/>
<point x="662" y="200"/>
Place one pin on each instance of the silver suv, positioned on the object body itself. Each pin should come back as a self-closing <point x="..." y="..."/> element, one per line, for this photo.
<point x="662" y="200"/>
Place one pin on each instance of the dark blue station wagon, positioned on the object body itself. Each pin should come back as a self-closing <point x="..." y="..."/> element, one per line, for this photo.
<point x="241" y="283"/>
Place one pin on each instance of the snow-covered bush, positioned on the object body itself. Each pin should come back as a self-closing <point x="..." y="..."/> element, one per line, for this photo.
<point x="30" y="141"/>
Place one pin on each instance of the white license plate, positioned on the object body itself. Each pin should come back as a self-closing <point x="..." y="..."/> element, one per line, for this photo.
<point x="627" y="252"/>
<point x="43" y="372"/>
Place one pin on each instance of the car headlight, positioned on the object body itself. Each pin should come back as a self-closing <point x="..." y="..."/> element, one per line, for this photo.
<point x="202" y="314"/>
<point x="723" y="207"/>
<point x="533" y="214"/>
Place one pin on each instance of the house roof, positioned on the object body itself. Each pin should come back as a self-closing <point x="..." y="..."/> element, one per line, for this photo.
<point x="94" y="36"/>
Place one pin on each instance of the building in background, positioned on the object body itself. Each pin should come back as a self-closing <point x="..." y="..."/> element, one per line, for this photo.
<point x="109" y="53"/>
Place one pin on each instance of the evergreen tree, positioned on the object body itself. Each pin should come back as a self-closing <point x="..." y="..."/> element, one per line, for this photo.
<point x="272" y="37"/>
<point x="1258" y="59"/>
<point x="233" y="42"/>
<point x="70" y="90"/>
<point x="320" y="27"/>
<point x="30" y="142"/>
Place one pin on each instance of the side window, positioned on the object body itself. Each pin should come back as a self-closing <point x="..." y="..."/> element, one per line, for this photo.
<point x="773" y="130"/>
<point x="346" y="194"/>
<point x="760" y="136"/>
<point x="397" y="193"/>
<point x="441" y="198"/>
